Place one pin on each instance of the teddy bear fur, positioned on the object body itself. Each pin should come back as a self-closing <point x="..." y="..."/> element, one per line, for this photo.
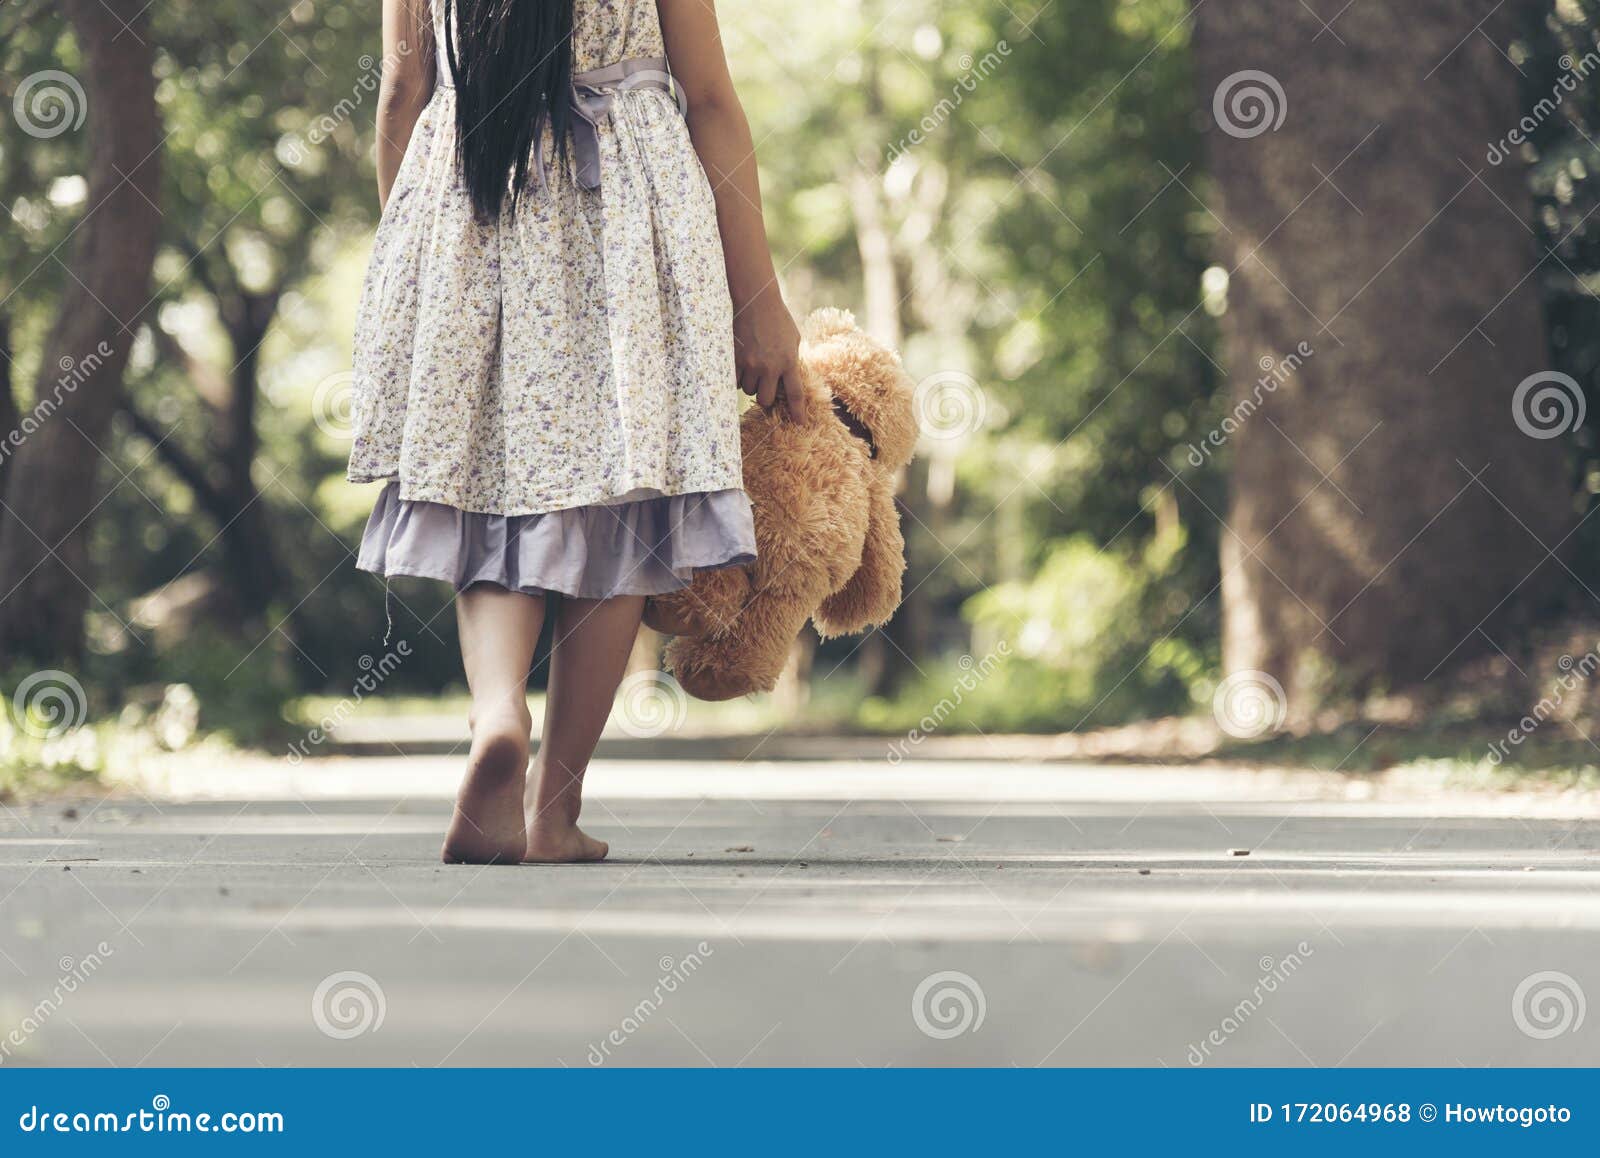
<point x="828" y="540"/>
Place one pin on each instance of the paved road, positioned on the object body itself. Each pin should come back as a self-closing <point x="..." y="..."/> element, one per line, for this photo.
<point x="794" y="913"/>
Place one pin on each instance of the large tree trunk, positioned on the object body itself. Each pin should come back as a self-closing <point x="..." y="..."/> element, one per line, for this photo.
<point x="52" y="485"/>
<point x="1369" y="226"/>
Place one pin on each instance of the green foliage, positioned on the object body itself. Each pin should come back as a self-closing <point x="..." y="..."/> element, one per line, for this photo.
<point x="1093" y="645"/>
<point x="1029" y="178"/>
<point x="1019" y="162"/>
<point x="47" y="742"/>
<point x="1559" y="59"/>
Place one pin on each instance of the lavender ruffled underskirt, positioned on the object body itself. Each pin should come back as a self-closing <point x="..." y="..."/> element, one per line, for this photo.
<point x="645" y="546"/>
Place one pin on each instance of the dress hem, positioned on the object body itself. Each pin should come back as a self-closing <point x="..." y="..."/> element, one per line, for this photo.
<point x="552" y="588"/>
<point x="594" y="497"/>
<point x="638" y="546"/>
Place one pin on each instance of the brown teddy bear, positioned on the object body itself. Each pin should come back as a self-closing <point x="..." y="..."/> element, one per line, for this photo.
<point x="828" y="538"/>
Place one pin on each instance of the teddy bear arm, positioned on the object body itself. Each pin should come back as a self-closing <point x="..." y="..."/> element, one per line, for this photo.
<point x="872" y="594"/>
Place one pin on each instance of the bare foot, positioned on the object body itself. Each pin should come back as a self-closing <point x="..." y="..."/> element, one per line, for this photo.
<point x="563" y="844"/>
<point x="487" y="827"/>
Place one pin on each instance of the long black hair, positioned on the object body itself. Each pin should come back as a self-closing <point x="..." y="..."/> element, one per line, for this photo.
<point x="511" y="62"/>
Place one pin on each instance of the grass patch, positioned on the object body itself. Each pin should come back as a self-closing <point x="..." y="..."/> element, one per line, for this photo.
<point x="41" y="765"/>
<point x="828" y="710"/>
<point x="1553" y="754"/>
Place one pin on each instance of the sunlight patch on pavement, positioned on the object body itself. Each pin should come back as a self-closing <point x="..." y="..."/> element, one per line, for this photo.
<point x="1402" y="793"/>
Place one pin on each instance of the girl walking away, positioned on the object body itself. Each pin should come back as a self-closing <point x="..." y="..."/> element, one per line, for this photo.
<point x="570" y="283"/>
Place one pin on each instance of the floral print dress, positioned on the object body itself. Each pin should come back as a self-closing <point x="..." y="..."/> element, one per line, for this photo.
<point x="550" y="395"/>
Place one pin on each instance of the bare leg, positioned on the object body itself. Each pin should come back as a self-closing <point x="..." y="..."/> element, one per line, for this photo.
<point x="593" y="639"/>
<point x="499" y="630"/>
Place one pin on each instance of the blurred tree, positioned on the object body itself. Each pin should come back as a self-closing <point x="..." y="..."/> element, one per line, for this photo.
<point x="1558" y="142"/>
<point x="30" y="44"/>
<point x="1006" y="191"/>
<point x="51" y="485"/>
<point x="266" y="178"/>
<point x="1387" y="514"/>
<point x="1104" y="365"/>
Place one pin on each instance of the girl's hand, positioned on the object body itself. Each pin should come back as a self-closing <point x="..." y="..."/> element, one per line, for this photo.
<point x="766" y="353"/>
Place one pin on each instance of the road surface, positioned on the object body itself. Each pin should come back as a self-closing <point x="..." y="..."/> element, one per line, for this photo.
<point x="830" y="912"/>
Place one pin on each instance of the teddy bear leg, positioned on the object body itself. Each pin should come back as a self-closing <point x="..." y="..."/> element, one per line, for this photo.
<point x="748" y="659"/>
<point x="873" y="592"/>
<point x="705" y="607"/>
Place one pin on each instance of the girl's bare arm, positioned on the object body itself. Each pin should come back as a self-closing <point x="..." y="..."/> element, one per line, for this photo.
<point x="407" y="83"/>
<point x="766" y="340"/>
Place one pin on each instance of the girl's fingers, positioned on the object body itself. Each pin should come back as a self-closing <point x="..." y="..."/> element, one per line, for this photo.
<point x="767" y="391"/>
<point x="794" y="394"/>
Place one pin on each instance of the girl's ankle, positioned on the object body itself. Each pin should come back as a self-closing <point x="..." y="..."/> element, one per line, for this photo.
<point x="554" y="819"/>
<point x="501" y="722"/>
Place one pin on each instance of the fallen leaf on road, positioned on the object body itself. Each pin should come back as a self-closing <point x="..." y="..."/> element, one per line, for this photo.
<point x="741" y="848"/>
<point x="1238" y="852"/>
<point x="951" y="839"/>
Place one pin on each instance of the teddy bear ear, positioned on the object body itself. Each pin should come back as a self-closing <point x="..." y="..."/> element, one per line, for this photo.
<point x="827" y="322"/>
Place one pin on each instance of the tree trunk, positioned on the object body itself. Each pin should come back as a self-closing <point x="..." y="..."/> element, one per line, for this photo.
<point x="889" y="653"/>
<point x="52" y="488"/>
<point x="10" y="416"/>
<point x="250" y="558"/>
<point x="222" y="478"/>
<point x="1369" y="226"/>
<point x="793" y="690"/>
